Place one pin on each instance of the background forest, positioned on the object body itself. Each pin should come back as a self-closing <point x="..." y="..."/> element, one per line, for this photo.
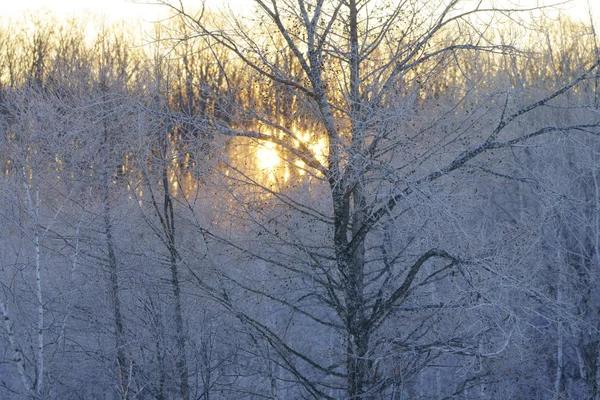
<point x="322" y="199"/>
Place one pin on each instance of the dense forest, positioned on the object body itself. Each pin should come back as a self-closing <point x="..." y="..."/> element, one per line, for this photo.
<point x="322" y="199"/>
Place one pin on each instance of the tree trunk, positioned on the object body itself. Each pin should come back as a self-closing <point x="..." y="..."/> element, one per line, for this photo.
<point x="18" y="357"/>
<point x="113" y="288"/>
<point x="169" y="227"/>
<point x="34" y="209"/>
<point x="114" y="296"/>
<point x="180" y="334"/>
<point x="358" y="363"/>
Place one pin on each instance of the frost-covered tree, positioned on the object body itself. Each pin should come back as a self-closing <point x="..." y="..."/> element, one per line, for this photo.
<point x="354" y="216"/>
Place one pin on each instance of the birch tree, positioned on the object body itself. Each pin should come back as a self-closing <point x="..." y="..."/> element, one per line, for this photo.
<point x="38" y="200"/>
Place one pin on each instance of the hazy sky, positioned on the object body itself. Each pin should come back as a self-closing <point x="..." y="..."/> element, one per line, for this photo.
<point x="117" y="9"/>
<point x="112" y="9"/>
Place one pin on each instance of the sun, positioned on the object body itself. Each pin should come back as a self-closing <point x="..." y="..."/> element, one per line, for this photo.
<point x="267" y="157"/>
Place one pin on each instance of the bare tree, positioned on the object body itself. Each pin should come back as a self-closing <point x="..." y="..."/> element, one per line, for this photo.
<point x="38" y="198"/>
<point x="161" y="156"/>
<point x="365" y="68"/>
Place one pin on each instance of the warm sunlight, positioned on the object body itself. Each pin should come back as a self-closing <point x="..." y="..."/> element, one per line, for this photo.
<point x="319" y="149"/>
<point x="272" y="165"/>
<point x="267" y="157"/>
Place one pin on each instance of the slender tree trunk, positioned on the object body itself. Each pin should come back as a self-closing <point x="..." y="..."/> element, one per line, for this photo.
<point x="113" y="288"/>
<point x="589" y="342"/>
<point x="593" y="376"/>
<point x="167" y="220"/>
<point x="169" y="227"/>
<point x="39" y="382"/>
<point x="161" y="365"/>
<point x="34" y="209"/>
<point x="591" y="359"/>
<point x="595" y="264"/>
<point x="596" y="383"/>
<point x="559" y="362"/>
<point x="180" y="334"/>
<point x="18" y="357"/>
<point x="205" y="348"/>
<point x="116" y="302"/>
<point x="560" y="285"/>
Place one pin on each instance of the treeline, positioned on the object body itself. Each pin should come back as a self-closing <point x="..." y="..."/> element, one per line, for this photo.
<point x="145" y="254"/>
